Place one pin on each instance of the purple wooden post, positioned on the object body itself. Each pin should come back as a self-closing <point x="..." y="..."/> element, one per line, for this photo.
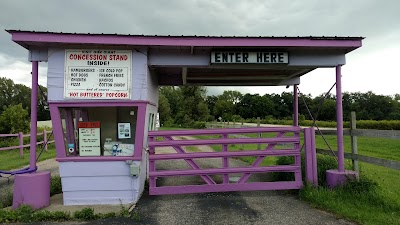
<point x="339" y="118"/>
<point x="225" y="160"/>
<point x="21" y="144"/>
<point x="45" y="139"/>
<point x="140" y="127"/>
<point x="295" y="106"/>
<point x="58" y="131"/>
<point x="34" y="97"/>
<point x="152" y="165"/>
<point x="310" y="156"/>
<point x="69" y="123"/>
<point x="297" y="159"/>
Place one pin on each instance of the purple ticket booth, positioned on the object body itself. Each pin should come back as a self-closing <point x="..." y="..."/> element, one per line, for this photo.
<point x="103" y="95"/>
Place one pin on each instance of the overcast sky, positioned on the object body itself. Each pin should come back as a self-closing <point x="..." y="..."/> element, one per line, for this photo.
<point x="369" y="68"/>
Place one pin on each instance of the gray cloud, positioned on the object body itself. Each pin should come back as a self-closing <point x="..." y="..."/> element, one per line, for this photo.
<point x="374" y="19"/>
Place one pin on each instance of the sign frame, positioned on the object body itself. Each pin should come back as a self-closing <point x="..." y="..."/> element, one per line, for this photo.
<point x="250" y="57"/>
<point x="119" y="74"/>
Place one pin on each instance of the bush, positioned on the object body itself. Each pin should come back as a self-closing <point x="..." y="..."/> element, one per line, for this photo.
<point x="85" y="214"/>
<point x="14" y="119"/>
<point x="55" y="185"/>
<point x="324" y="163"/>
<point x="199" y="125"/>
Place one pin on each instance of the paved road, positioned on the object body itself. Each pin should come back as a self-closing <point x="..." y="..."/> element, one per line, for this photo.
<point x="260" y="207"/>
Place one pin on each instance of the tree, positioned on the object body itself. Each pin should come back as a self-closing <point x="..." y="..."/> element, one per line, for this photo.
<point x="14" y="119"/>
<point x="164" y="109"/>
<point x="191" y="106"/>
<point x="14" y="94"/>
<point x="6" y="92"/>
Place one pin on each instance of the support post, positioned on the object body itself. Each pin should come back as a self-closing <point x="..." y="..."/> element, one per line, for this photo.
<point x="21" y="144"/>
<point x="295" y="106"/>
<point x="259" y="134"/>
<point x="340" y="176"/>
<point x="69" y="124"/>
<point x="339" y="119"/>
<point x="310" y="156"/>
<point x="34" y="97"/>
<point x="354" y="150"/>
<point x="225" y="161"/>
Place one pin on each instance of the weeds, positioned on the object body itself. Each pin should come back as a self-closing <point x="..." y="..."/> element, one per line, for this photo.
<point x="26" y="214"/>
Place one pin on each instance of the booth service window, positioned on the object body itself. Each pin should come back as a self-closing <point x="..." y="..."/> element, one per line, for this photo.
<point x="99" y="131"/>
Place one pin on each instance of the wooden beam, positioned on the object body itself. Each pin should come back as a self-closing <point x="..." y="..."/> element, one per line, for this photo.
<point x="372" y="160"/>
<point x="184" y="75"/>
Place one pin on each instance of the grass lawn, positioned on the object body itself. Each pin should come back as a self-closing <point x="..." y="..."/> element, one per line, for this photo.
<point x="10" y="159"/>
<point x="357" y="203"/>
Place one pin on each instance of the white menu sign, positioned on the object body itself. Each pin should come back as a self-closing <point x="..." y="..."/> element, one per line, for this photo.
<point x="97" y="74"/>
<point x="89" y="138"/>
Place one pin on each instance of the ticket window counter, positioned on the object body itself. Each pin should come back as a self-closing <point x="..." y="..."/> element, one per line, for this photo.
<point x="99" y="131"/>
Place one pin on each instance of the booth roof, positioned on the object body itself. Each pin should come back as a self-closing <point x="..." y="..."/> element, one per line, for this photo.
<point x="46" y="38"/>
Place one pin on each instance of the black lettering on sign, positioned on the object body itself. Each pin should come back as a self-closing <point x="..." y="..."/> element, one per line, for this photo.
<point x="259" y="57"/>
<point x="238" y="56"/>
<point x="280" y="57"/>
<point x="245" y="57"/>
<point x="273" y="57"/>
<point x="266" y="57"/>
<point x="225" y="57"/>
<point x="217" y="57"/>
<point x="231" y="54"/>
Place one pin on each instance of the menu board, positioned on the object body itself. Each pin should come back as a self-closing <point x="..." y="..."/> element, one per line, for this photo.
<point x="89" y="138"/>
<point x="97" y="74"/>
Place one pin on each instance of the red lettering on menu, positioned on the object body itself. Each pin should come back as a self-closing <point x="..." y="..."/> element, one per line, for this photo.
<point x="95" y="124"/>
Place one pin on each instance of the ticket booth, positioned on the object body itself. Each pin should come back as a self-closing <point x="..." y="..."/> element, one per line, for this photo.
<point x="103" y="95"/>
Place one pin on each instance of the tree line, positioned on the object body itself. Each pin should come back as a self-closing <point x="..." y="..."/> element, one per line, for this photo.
<point x="15" y="106"/>
<point x="187" y="104"/>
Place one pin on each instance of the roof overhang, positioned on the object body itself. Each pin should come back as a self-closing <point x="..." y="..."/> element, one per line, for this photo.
<point x="191" y="55"/>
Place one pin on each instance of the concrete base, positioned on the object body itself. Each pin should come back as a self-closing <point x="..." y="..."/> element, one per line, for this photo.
<point x="335" y="178"/>
<point x="58" y="205"/>
<point x="32" y="189"/>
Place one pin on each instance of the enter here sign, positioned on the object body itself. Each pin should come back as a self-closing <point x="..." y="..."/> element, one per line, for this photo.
<point x="250" y="57"/>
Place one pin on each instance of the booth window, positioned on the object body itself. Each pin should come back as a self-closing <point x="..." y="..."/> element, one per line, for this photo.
<point x="99" y="131"/>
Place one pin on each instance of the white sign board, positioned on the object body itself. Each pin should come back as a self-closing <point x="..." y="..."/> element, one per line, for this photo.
<point x="124" y="130"/>
<point x="250" y="57"/>
<point x="89" y="138"/>
<point x="97" y="74"/>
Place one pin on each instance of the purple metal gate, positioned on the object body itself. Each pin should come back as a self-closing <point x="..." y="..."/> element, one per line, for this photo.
<point x="279" y="141"/>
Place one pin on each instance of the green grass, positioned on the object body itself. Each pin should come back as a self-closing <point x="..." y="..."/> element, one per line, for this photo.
<point x="10" y="159"/>
<point x="384" y="148"/>
<point x="377" y="206"/>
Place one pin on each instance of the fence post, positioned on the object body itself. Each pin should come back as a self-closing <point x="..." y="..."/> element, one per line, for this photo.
<point x="21" y="144"/>
<point x="310" y="156"/>
<point x="45" y="139"/>
<point x="259" y="134"/>
<point x="354" y="150"/>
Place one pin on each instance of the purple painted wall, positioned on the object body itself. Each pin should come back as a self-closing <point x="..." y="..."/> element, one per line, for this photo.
<point x="88" y="183"/>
